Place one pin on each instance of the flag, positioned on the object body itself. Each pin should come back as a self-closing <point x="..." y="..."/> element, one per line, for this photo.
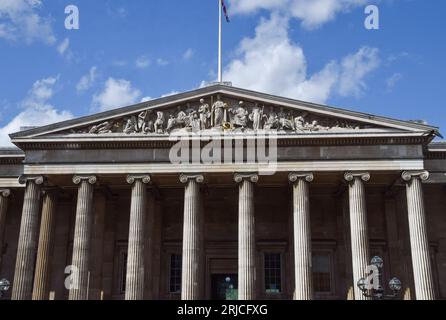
<point x="225" y="10"/>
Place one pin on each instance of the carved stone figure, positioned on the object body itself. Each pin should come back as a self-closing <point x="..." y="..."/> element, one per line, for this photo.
<point x="218" y="113"/>
<point x="205" y="115"/>
<point x="177" y="121"/>
<point x="159" y="123"/>
<point x="240" y="118"/>
<point x="299" y="124"/>
<point x="194" y="122"/>
<point x="181" y="117"/>
<point x="256" y="117"/>
<point x="103" y="128"/>
<point x="171" y="122"/>
<point x="284" y="122"/>
<point x="130" y="126"/>
<point x="272" y="121"/>
<point x="315" y="126"/>
<point x="144" y="122"/>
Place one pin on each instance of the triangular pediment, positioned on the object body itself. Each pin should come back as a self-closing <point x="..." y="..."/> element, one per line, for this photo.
<point x="221" y="108"/>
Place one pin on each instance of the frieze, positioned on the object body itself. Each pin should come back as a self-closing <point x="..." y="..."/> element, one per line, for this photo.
<point x="217" y="114"/>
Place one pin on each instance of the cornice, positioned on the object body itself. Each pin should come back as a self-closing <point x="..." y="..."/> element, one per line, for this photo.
<point x="282" y="141"/>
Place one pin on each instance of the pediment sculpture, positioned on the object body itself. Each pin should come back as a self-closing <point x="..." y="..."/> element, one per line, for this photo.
<point x="221" y="115"/>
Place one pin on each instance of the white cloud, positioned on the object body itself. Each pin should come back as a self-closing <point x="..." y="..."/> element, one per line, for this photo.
<point x="393" y="80"/>
<point x="142" y="62"/>
<point x="63" y="46"/>
<point x="354" y="69"/>
<point x="145" y="99"/>
<point x="37" y="110"/>
<point x="162" y="62"/>
<point x="87" y="81"/>
<point x="41" y="91"/>
<point x="312" y="13"/>
<point x="116" y="93"/>
<point x="20" y="20"/>
<point x="188" y="54"/>
<point x="270" y="62"/>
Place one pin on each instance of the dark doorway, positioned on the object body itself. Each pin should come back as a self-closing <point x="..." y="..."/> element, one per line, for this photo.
<point x="224" y="287"/>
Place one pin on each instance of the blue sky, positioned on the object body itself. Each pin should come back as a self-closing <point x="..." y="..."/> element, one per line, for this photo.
<point x="126" y="51"/>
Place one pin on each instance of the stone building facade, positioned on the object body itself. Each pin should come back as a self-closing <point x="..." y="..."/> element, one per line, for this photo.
<point x="96" y="208"/>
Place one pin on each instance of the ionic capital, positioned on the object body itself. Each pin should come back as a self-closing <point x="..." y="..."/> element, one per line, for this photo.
<point x="145" y="178"/>
<point x="239" y="177"/>
<point x="5" y="193"/>
<point x="185" y="178"/>
<point x="36" y="179"/>
<point x="90" y="179"/>
<point x="407" y="176"/>
<point x="295" y="176"/>
<point x="351" y="176"/>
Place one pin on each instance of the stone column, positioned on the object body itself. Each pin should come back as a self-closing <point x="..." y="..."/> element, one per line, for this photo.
<point x="358" y="228"/>
<point x="96" y="289"/>
<point x="42" y="273"/>
<point x="82" y="238"/>
<point x="192" y="269"/>
<point x="134" y="289"/>
<point x="4" y="199"/>
<point x="419" y="242"/>
<point x="29" y="232"/>
<point x="302" y="236"/>
<point x="246" y="237"/>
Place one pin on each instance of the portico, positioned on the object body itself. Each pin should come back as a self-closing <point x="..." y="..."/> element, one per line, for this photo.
<point x="136" y="226"/>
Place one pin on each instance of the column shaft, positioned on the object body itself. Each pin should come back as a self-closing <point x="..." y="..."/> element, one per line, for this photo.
<point x="302" y="238"/>
<point x="191" y="282"/>
<point x="358" y="229"/>
<point x="27" y="247"/>
<point x="42" y="274"/>
<point x="135" y="258"/>
<point x="246" y="242"/>
<point x="82" y="240"/>
<point x="421" y="261"/>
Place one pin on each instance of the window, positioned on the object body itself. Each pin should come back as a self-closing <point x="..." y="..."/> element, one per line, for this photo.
<point x="322" y="273"/>
<point x="175" y="273"/>
<point x="273" y="270"/>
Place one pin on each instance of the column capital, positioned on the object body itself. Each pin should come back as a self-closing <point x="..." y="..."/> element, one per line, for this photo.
<point x="23" y="179"/>
<point x="351" y="176"/>
<point x="253" y="177"/>
<point x="184" y="178"/>
<point x="89" y="179"/>
<point x="409" y="175"/>
<point x="295" y="176"/>
<point x="145" y="178"/>
<point x="5" y="193"/>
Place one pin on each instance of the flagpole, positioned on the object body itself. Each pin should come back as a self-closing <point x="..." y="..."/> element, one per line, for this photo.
<point x="220" y="75"/>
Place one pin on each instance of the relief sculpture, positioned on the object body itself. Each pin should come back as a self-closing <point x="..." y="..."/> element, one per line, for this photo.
<point x="218" y="114"/>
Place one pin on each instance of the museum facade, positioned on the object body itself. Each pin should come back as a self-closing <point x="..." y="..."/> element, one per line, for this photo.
<point x="222" y="193"/>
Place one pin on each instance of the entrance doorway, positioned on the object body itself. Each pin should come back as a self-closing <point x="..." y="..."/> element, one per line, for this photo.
<point x="224" y="287"/>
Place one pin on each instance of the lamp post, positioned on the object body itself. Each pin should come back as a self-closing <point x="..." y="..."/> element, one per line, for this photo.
<point x="4" y="286"/>
<point x="377" y="291"/>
